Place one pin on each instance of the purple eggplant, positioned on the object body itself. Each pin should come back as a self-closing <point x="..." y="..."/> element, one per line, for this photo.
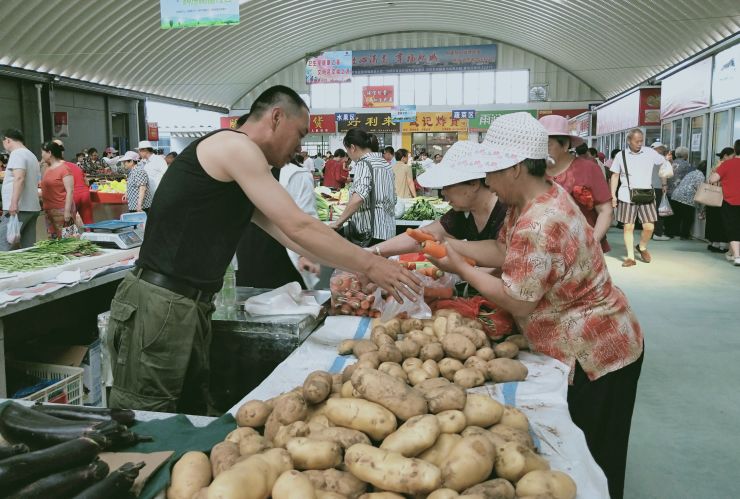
<point x="7" y="451"/>
<point x="117" y="485"/>
<point x="64" y="484"/>
<point x="76" y="412"/>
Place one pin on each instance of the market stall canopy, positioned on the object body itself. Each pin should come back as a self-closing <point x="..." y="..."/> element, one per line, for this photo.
<point x="611" y="46"/>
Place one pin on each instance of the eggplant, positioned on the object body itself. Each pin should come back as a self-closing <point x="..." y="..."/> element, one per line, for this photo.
<point x="12" y="450"/>
<point x="38" y="430"/>
<point x="76" y="412"/>
<point x="64" y="484"/>
<point x="117" y="485"/>
<point x="23" y="468"/>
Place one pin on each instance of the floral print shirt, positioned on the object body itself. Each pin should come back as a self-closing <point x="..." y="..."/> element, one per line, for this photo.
<point x="686" y="190"/>
<point x="552" y="259"/>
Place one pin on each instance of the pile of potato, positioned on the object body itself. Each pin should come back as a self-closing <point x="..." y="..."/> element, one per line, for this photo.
<point x="397" y="423"/>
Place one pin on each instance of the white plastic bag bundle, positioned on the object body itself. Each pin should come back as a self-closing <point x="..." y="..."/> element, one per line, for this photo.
<point x="666" y="170"/>
<point x="14" y="230"/>
<point x="665" y="210"/>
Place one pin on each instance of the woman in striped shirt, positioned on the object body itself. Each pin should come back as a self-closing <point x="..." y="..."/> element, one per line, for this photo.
<point x="372" y="197"/>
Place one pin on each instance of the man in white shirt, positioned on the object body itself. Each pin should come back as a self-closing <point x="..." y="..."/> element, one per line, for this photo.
<point x="308" y="162"/>
<point x="20" y="190"/>
<point x="640" y="164"/>
<point x="154" y="165"/>
<point x="318" y="162"/>
<point x="425" y="160"/>
<point x="298" y="181"/>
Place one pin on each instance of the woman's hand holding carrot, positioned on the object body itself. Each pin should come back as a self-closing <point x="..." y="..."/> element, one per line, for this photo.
<point x="444" y="257"/>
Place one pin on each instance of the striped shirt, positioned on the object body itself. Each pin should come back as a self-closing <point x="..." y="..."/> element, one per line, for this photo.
<point x="374" y="182"/>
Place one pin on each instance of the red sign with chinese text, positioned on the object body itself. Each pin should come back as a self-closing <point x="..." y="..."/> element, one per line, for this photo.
<point x="323" y="123"/>
<point x="152" y="131"/>
<point x="229" y="121"/>
<point x="649" y="106"/>
<point x="377" y="96"/>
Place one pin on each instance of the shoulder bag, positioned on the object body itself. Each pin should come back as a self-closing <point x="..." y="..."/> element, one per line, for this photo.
<point x="351" y="232"/>
<point x="637" y="196"/>
<point x="709" y="195"/>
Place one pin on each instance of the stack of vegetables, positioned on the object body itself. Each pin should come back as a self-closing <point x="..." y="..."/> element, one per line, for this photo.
<point x="46" y="254"/>
<point x="398" y="421"/>
<point x="53" y="451"/>
<point x="426" y="208"/>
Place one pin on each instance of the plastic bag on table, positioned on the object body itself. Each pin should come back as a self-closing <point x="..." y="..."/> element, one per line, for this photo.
<point x="496" y="321"/>
<point x="14" y="230"/>
<point x="665" y="210"/>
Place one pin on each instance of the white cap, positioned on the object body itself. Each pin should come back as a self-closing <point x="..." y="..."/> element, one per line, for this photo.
<point x="655" y="144"/>
<point x="453" y="169"/>
<point x="129" y="156"/>
<point x="145" y="144"/>
<point x="510" y="139"/>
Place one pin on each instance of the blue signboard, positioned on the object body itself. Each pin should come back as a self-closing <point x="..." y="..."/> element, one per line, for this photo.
<point x="329" y="67"/>
<point x="345" y="116"/>
<point x="198" y="13"/>
<point x="404" y="114"/>
<point x="425" y="59"/>
<point x="463" y="114"/>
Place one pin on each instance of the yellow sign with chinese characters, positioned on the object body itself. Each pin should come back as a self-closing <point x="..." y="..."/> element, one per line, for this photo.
<point x="435" y="122"/>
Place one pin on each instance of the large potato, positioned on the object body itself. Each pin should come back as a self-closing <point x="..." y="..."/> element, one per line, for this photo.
<point x="471" y="334"/>
<point x="393" y="328"/>
<point x="408" y="325"/>
<point x="390" y="392"/>
<point x="431" y="367"/>
<point x="414" y="436"/>
<point x="394" y="369"/>
<point x="253" y="414"/>
<point x="421" y="338"/>
<point x="418" y="376"/>
<point x="293" y="484"/>
<point x="288" y="409"/>
<point x="471" y="431"/>
<point x="390" y="353"/>
<point x="432" y="351"/>
<point x="482" y="410"/>
<point x="519" y="340"/>
<point x="345" y="347"/>
<point x="391" y="471"/>
<point x="506" y="434"/>
<point x="454" y="320"/>
<point x="440" y="327"/>
<point x="254" y="445"/>
<point x="412" y="363"/>
<point x="506" y="350"/>
<point x="345" y="437"/>
<point x="338" y="482"/>
<point x="237" y="435"/>
<point x="448" y="367"/>
<point x="368" y="417"/>
<point x="310" y="454"/>
<point x="363" y="346"/>
<point x="469" y="377"/>
<point x="223" y="456"/>
<point x="479" y="364"/>
<point x="470" y="462"/>
<point x="451" y="421"/>
<point x="408" y="347"/>
<point x="430" y="384"/>
<point x="191" y="473"/>
<point x="458" y="346"/>
<point x="252" y="478"/>
<point x="540" y="482"/>
<point x="514" y="461"/>
<point x="446" y="398"/>
<point x="286" y="433"/>
<point x="494" y="489"/>
<point x="441" y="448"/>
<point x="514" y="418"/>
<point x="507" y="370"/>
<point x="380" y="336"/>
<point x="370" y="358"/>
<point x="317" y="387"/>
<point x="485" y="353"/>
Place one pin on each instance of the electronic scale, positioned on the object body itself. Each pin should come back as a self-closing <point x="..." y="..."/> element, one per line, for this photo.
<point x="113" y="233"/>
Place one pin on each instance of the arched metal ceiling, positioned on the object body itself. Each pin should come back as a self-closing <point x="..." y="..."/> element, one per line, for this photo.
<point x="610" y="44"/>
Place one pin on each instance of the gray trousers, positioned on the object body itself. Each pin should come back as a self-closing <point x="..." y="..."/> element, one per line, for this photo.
<point x="28" y="230"/>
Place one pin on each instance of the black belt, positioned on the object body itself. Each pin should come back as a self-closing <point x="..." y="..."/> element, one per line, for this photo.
<point x="174" y="285"/>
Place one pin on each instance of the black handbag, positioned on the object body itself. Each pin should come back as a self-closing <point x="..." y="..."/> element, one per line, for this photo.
<point x="637" y="196"/>
<point x="351" y="232"/>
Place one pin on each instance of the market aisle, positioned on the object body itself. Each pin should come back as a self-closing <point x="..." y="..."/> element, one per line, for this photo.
<point x="684" y="442"/>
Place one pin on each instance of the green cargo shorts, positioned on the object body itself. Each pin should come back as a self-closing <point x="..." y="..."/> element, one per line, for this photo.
<point x="159" y="344"/>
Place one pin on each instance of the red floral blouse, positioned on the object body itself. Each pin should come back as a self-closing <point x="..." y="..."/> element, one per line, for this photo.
<point x="553" y="259"/>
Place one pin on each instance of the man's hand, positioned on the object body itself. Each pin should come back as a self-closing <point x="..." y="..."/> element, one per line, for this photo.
<point x="306" y="265"/>
<point x="395" y="279"/>
<point x="614" y="201"/>
<point x="453" y="262"/>
<point x="13" y="210"/>
<point x="336" y="225"/>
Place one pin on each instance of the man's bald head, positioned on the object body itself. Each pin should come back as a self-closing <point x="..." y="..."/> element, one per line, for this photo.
<point x="279" y="95"/>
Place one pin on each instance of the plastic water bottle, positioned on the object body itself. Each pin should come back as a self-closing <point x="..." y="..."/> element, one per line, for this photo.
<point x="228" y="292"/>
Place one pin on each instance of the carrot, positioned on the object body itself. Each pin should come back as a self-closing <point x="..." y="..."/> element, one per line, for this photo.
<point x="438" y="293"/>
<point x="438" y="250"/>
<point x="419" y="235"/>
<point x="365" y="304"/>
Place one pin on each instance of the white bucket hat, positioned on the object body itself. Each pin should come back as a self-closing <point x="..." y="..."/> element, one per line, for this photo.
<point x="129" y="156"/>
<point x="510" y="139"/>
<point x="145" y="144"/>
<point x="557" y="126"/>
<point x="453" y="169"/>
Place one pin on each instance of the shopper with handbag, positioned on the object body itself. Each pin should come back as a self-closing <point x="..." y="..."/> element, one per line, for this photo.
<point x="683" y="203"/>
<point x="729" y="174"/>
<point x="372" y="197"/>
<point x="714" y="230"/>
<point x="634" y="167"/>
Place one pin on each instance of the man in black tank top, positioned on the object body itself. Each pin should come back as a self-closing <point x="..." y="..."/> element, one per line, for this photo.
<point x="160" y="329"/>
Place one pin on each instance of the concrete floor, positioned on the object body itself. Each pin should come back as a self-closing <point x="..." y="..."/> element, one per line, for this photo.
<point x="684" y="442"/>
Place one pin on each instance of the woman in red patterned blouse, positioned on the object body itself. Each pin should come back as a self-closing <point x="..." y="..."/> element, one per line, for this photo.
<point x="582" y="178"/>
<point x="556" y="285"/>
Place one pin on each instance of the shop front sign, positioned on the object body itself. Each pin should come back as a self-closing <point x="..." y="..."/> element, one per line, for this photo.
<point x="377" y="96"/>
<point x="152" y="131"/>
<point x="375" y="123"/>
<point x="620" y="115"/>
<point x="483" y="119"/>
<point x="649" y="106"/>
<point x="435" y="122"/>
<point x="323" y="123"/>
<point x="686" y="90"/>
<point x="404" y="114"/>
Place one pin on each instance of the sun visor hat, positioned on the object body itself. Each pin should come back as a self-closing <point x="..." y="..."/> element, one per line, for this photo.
<point x="557" y="126"/>
<point x="453" y="169"/>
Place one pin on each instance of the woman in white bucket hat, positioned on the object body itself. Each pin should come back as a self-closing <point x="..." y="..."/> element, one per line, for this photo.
<point x="556" y="285"/>
<point x="475" y="213"/>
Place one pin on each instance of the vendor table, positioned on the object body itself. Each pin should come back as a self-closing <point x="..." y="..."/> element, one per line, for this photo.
<point x="29" y="300"/>
<point x="246" y="349"/>
<point x="542" y="397"/>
